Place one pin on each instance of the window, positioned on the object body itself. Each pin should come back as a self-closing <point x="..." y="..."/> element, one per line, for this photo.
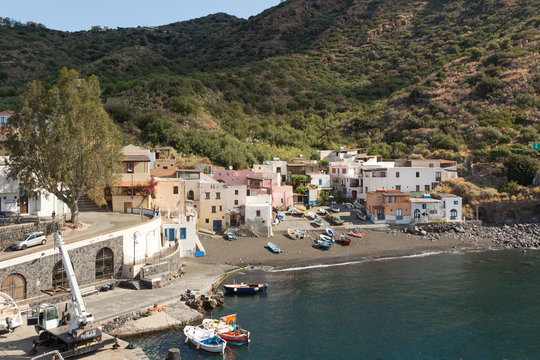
<point x="191" y="195"/>
<point x="207" y="196"/>
<point x="247" y="193"/>
<point x="220" y="207"/>
<point x="399" y="214"/>
<point x="165" y="167"/>
<point x="397" y="174"/>
<point x="2" y="120"/>
<point x="320" y="181"/>
<point x="235" y="202"/>
<point x="218" y="195"/>
<point x="343" y="171"/>
<point x="417" y="187"/>
<point x="104" y="263"/>
<point x="417" y="214"/>
<point x="424" y="206"/>
<point x="182" y="233"/>
<point x="430" y="165"/>
<point x="426" y="187"/>
<point x="378" y="198"/>
<point x="278" y="170"/>
<point x="59" y="277"/>
<point x="333" y="170"/>
<point x="438" y="174"/>
<point x="129" y="166"/>
<point x="453" y="214"/>
<point x="417" y="174"/>
<point x="175" y="190"/>
<point x="235" y="192"/>
<point x="398" y="187"/>
<point x="207" y="221"/>
<point x="258" y="213"/>
<point x="456" y="202"/>
<point x="213" y="209"/>
<point x="388" y="199"/>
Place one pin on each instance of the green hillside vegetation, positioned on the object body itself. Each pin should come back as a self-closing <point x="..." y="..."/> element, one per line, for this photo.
<point x="450" y="79"/>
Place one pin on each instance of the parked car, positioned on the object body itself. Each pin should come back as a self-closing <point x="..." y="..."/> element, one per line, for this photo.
<point x="30" y="240"/>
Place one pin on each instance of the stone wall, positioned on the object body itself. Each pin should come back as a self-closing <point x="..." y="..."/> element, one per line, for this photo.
<point x="171" y="263"/>
<point x="38" y="272"/>
<point x="11" y="233"/>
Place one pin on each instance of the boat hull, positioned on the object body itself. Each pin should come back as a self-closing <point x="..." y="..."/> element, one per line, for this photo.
<point x="236" y="337"/>
<point x="345" y="240"/>
<point x="354" y="234"/>
<point x="324" y="244"/>
<point x="274" y="248"/>
<point x="245" y="288"/>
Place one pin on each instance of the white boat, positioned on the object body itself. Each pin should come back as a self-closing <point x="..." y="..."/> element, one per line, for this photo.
<point x="9" y="310"/>
<point x="311" y="215"/>
<point x="204" y="338"/>
<point x="301" y="233"/>
<point x="293" y="234"/>
<point x="322" y="211"/>
<point x="318" y="222"/>
<point x="349" y="205"/>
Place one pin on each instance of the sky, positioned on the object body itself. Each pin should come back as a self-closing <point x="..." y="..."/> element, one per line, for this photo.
<point x="75" y="15"/>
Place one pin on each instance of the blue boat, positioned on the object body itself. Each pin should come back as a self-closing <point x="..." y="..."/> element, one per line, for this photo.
<point x="245" y="288"/>
<point x="324" y="244"/>
<point x="335" y="208"/>
<point x="274" y="248"/>
<point x="231" y="236"/>
<point x="327" y="238"/>
<point x="330" y="232"/>
<point x="280" y="216"/>
<point x="318" y="222"/>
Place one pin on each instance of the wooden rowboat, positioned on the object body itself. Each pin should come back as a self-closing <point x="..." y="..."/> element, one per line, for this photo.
<point x="324" y="244"/>
<point x="245" y="288"/>
<point x="293" y="234"/>
<point x="345" y="240"/>
<point x="274" y="248"/>
<point x="354" y="234"/>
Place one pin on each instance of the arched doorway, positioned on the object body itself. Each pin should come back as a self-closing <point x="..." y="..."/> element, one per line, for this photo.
<point x="417" y="214"/>
<point x="59" y="277"/>
<point x="191" y="195"/>
<point x="15" y="286"/>
<point x="453" y="214"/>
<point x="104" y="263"/>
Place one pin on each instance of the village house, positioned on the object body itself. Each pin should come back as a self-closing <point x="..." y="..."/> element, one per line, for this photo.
<point x="211" y="204"/>
<point x="437" y="207"/>
<point x="259" y="214"/>
<point x="4" y="116"/>
<point x="165" y="158"/>
<point x="275" y="166"/>
<point x="135" y="186"/>
<point x="389" y="207"/>
<point x="235" y="203"/>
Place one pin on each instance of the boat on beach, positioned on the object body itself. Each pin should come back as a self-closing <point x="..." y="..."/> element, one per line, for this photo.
<point x="280" y="216"/>
<point x="323" y="211"/>
<point x="335" y="208"/>
<point x="242" y="288"/>
<point x="326" y="238"/>
<point x="352" y="233"/>
<point x="311" y="215"/>
<point x="205" y="339"/>
<point x="9" y="310"/>
<point x="318" y="222"/>
<point x="345" y="240"/>
<point x="293" y="234"/>
<point x="231" y="236"/>
<point x="330" y="232"/>
<point x="324" y="244"/>
<point x="274" y="248"/>
<point x="301" y="207"/>
<point x="301" y="233"/>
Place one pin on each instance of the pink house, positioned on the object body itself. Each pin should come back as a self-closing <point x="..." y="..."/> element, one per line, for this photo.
<point x="282" y="196"/>
<point x="234" y="177"/>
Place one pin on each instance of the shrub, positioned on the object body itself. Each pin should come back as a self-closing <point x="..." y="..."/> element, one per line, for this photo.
<point x="529" y="134"/>
<point x="521" y="169"/>
<point x="487" y="85"/>
<point x="512" y="188"/>
<point x="498" y="153"/>
<point x="183" y="105"/>
<point x="527" y="101"/>
<point x="443" y="141"/>
<point x="476" y="53"/>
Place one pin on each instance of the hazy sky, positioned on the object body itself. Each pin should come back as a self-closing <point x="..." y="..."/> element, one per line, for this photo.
<point x="74" y="15"/>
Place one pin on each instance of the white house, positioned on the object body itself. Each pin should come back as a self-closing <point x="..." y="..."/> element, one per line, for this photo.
<point x="12" y="201"/>
<point x="275" y="166"/>
<point x="259" y="214"/>
<point x="235" y="202"/>
<point x="321" y="181"/>
<point x="445" y="207"/>
<point x="4" y="116"/>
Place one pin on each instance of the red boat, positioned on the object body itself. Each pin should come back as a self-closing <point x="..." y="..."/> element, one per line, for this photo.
<point x="235" y="337"/>
<point x="345" y="240"/>
<point x="354" y="234"/>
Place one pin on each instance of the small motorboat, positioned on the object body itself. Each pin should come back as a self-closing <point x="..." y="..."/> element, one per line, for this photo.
<point x="324" y="244"/>
<point x="205" y="339"/>
<point x="330" y="232"/>
<point x="9" y="310"/>
<point x="349" y="205"/>
<point x="311" y="215"/>
<point x="301" y="233"/>
<point x="345" y="240"/>
<point x="335" y="208"/>
<point x="227" y="329"/>
<point x="242" y="288"/>
<point x="293" y="234"/>
<point x="301" y="207"/>
<point x="231" y="236"/>
<point x="280" y="216"/>
<point x="323" y="211"/>
<point x="318" y="222"/>
<point x="235" y="337"/>
<point x="274" y="248"/>
<point x="351" y="233"/>
<point x="326" y="238"/>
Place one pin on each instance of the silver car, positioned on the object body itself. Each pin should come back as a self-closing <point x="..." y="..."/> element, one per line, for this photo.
<point x="29" y="240"/>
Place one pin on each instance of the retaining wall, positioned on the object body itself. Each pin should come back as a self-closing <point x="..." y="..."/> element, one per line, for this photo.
<point x="11" y="233"/>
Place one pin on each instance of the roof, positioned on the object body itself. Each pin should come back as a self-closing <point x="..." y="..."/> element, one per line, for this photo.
<point x="164" y="172"/>
<point x="136" y="157"/>
<point x="132" y="183"/>
<point x="7" y="112"/>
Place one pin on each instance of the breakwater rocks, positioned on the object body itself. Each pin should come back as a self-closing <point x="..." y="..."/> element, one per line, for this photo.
<point x="516" y="235"/>
<point x="206" y="302"/>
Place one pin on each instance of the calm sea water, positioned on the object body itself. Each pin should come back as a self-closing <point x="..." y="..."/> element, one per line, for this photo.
<point x="446" y="306"/>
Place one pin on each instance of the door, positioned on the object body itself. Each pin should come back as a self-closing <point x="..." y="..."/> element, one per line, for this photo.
<point x="217" y="225"/>
<point x="15" y="286"/>
<point x="23" y="205"/>
<point x="182" y="233"/>
<point x="127" y="205"/>
<point x="169" y="234"/>
<point x="380" y="214"/>
<point x="354" y="194"/>
<point x="399" y="214"/>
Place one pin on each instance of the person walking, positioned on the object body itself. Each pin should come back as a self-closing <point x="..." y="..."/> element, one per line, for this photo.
<point x="53" y="214"/>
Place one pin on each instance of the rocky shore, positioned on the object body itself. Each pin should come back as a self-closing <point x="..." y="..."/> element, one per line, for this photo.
<point x="505" y="236"/>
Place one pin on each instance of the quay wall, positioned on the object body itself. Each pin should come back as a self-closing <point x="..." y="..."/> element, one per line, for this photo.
<point x="11" y="233"/>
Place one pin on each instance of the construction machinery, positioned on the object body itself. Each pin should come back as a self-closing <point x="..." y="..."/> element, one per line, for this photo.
<point x="73" y="339"/>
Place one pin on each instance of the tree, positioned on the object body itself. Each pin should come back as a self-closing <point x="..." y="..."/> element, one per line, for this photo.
<point x="65" y="142"/>
<point x="521" y="169"/>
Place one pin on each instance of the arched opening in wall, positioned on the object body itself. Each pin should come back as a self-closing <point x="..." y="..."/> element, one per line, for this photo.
<point x="417" y="214"/>
<point x="191" y="195"/>
<point x="482" y="214"/>
<point x="510" y="217"/>
<point x="15" y="286"/>
<point x="104" y="263"/>
<point x="59" y="277"/>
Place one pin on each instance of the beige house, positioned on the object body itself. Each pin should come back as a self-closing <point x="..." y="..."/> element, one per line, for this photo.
<point x="212" y="208"/>
<point x="135" y="186"/>
<point x="170" y="195"/>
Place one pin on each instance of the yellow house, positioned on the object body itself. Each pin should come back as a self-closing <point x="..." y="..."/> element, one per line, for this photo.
<point x="135" y="187"/>
<point x="211" y="204"/>
<point x="170" y="195"/>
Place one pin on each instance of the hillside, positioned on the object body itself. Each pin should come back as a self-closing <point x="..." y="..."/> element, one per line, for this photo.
<point x="404" y="78"/>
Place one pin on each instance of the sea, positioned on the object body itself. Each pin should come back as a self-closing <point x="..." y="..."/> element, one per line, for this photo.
<point x="482" y="305"/>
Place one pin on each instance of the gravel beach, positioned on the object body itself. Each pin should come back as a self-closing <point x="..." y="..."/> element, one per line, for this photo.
<point x="377" y="241"/>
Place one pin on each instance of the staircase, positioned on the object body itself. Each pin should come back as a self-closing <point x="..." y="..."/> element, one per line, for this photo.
<point x="86" y="204"/>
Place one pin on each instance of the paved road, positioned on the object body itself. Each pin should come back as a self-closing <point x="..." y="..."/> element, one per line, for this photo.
<point x="98" y="223"/>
